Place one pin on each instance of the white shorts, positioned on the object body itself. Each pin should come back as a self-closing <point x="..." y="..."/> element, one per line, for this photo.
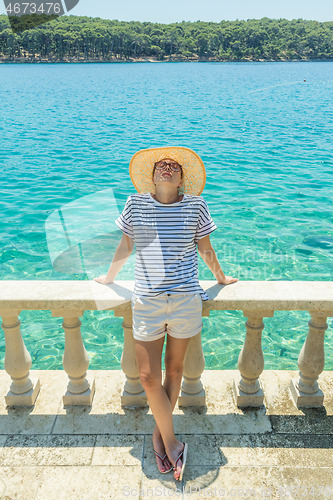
<point x="179" y="315"/>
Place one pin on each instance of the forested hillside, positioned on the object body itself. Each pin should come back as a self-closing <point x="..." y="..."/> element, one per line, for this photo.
<point x="72" y="38"/>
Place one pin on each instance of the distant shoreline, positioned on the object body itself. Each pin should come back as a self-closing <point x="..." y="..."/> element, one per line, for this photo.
<point x="80" y="39"/>
<point x="151" y="60"/>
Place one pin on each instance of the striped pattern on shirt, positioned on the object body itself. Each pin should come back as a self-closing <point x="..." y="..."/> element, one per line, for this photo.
<point x="165" y="236"/>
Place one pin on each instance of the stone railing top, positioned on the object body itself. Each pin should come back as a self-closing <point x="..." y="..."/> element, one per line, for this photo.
<point x="243" y="295"/>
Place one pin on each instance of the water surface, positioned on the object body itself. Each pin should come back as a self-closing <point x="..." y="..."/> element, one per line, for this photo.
<point x="264" y="131"/>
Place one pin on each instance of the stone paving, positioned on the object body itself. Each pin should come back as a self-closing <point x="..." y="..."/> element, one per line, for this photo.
<point x="105" y="451"/>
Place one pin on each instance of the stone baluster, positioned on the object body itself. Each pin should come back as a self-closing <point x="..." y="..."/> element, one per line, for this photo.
<point x="247" y="387"/>
<point x="305" y="390"/>
<point x="81" y="386"/>
<point x="133" y="393"/>
<point x="23" y="389"/>
<point x="192" y="391"/>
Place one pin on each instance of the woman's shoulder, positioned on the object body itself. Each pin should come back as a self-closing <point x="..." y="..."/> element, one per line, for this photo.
<point x="197" y="200"/>
<point x="138" y="197"/>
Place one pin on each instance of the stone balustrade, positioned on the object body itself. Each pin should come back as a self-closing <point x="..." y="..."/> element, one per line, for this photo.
<point x="257" y="300"/>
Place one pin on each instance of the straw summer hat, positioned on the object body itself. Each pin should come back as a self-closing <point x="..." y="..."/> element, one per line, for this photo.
<point x="142" y="164"/>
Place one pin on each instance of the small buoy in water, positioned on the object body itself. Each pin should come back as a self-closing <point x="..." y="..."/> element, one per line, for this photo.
<point x="304" y="80"/>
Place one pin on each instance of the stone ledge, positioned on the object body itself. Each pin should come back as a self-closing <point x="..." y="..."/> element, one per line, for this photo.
<point x="79" y="296"/>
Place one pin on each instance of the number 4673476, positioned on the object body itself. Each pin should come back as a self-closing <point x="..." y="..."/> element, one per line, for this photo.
<point x="21" y="8"/>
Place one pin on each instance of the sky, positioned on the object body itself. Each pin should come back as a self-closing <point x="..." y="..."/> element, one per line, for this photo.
<point x="168" y="11"/>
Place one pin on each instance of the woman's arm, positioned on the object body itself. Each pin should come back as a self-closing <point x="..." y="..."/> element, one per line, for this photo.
<point x="120" y="257"/>
<point x="207" y="253"/>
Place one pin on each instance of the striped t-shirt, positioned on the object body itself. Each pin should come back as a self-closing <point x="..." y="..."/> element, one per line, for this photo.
<point x="165" y="236"/>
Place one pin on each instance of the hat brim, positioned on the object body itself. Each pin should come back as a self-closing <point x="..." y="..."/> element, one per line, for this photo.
<point x="142" y="164"/>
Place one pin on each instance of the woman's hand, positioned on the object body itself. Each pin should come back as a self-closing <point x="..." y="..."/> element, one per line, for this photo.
<point x="227" y="280"/>
<point x="102" y="279"/>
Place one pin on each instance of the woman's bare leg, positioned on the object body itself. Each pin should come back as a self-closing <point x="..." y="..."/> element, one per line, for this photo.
<point x="174" y="365"/>
<point x="148" y="355"/>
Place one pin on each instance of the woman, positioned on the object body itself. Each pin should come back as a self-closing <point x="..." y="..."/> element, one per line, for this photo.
<point x="166" y="220"/>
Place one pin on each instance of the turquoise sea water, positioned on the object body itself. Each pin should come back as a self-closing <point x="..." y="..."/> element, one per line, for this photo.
<point x="265" y="135"/>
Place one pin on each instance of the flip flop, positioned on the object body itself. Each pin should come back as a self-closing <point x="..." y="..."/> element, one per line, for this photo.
<point x="183" y="457"/>
<point x="162" y="460"/>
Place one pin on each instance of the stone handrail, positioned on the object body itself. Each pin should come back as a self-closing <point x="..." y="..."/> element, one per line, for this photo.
<point x="257" y="299"/>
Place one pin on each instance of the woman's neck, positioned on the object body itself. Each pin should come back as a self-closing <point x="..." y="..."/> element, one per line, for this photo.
<point x="167" y="198"/>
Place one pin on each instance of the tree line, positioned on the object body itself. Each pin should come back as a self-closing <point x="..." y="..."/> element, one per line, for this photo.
<point x="78" y="38"/>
